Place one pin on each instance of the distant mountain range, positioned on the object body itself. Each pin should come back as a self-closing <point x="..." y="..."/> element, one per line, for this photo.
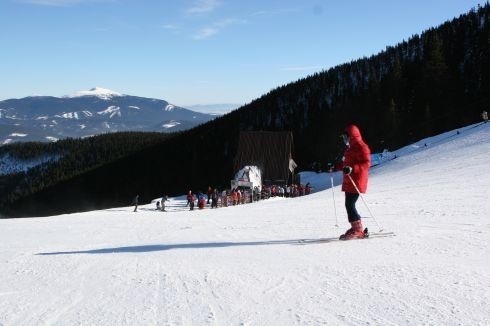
<point x="88" y="113"/>
<point x="214" y="109"/>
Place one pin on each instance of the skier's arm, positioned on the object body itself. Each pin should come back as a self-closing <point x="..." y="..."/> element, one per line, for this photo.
<point x="363" y="159"/>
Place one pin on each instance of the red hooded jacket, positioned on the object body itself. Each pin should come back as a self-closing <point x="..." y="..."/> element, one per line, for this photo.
<point x="358" y="157"/>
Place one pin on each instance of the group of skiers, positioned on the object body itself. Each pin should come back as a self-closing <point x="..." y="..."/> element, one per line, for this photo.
<point x="355" y="167"/>
<point x="294" y="190"/>
<point x="160" y="205"/>
<point x="212" y="196"/>
<point x="239" y="196"/>
<point x="226" y="198"/>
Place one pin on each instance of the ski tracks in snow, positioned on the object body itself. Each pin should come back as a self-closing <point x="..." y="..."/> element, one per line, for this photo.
<point x="65" y="302"/>
<point x="51" y="305"/>
<point x="186" y="299"/>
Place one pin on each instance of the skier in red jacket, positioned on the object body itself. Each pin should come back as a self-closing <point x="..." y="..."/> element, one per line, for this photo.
<point x="357" y="160"/>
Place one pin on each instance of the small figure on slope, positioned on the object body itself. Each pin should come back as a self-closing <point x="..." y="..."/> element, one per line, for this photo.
<point x="164" y="199"/>
<point x="357" y="160"/>
<point x="209" y="193"/>
<point x="214" y="199"/>
<point x="190" y="198"/>
<point x="190" y="201"/>
<point x="201" y="201"/>
<point x="135" y="203"/>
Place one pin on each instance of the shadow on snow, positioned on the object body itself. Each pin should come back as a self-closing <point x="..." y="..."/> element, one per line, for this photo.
<point x="204" y="245"/>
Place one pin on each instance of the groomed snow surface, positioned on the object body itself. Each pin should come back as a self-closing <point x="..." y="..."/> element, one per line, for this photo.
<point x="243" y="265"/>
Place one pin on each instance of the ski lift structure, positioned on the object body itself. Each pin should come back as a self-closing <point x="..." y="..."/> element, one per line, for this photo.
<point x="264" y="158"/>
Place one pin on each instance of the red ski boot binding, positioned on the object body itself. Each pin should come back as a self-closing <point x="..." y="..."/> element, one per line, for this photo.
<point x="355" y="232"/>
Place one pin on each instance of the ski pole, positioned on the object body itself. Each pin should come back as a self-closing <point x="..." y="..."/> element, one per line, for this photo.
<point x="333" y="196"/>
<point x="362" y="197"/>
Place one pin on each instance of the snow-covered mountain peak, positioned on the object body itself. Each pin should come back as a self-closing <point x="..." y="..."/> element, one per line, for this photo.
<point x="100" y="92"/>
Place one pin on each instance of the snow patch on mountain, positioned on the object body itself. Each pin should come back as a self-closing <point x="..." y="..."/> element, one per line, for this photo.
<point x="170" y="124"/>
<point x="10" y="164"/>
<point x="15" y="134"/>
<point x="68" y="115"/>
<point x="134" y="107"/>
<point x="44" y="117"/>
<point x="111" y="111"/>
<point x="169" y="107"/>
<point x="52" y="139"/>
<point x="102" y="93"/>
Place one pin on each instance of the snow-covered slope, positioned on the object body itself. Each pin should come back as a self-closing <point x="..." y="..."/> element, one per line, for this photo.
<point x="9" y="164"/>
<point x="243" y="265"/>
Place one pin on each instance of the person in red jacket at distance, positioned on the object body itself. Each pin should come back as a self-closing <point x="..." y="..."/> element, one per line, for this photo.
<point x="357" y="160"/>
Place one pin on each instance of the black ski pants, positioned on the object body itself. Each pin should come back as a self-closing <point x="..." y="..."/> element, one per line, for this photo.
<point x="350" y="206"/>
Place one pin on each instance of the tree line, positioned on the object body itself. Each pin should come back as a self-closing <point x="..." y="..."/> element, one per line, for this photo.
<point x="66" y="159"/>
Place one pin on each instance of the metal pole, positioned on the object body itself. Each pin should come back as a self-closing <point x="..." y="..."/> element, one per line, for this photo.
<point x="333" y="196"/>
<point x="362" y="197"/>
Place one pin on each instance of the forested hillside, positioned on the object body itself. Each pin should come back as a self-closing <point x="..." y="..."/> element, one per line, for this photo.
<point x="51" y="163"/>
<point x="433" y="82"/>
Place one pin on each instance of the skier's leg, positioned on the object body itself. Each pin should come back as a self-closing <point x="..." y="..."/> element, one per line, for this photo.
<point x="356" y="230"/>
<point x="350" y="206"/>
<point x="352" y="214"/>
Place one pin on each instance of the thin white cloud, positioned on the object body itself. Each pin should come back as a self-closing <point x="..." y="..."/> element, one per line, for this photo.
<point x="229" y="21"/>
<point x="170" y="27"/>
<point x="215" y="28"/>
<point x="275" y="12"/>
<point x="205" y="33"/>
<point x="203" y="6"/>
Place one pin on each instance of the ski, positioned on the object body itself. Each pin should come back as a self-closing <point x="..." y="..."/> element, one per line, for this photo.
<point x="373" y="235"/>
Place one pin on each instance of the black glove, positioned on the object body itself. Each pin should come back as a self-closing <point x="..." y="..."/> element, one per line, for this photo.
<point x="347" y="169"/>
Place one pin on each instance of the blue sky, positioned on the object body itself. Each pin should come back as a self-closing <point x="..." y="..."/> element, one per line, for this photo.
<point x="196" y="51"/>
